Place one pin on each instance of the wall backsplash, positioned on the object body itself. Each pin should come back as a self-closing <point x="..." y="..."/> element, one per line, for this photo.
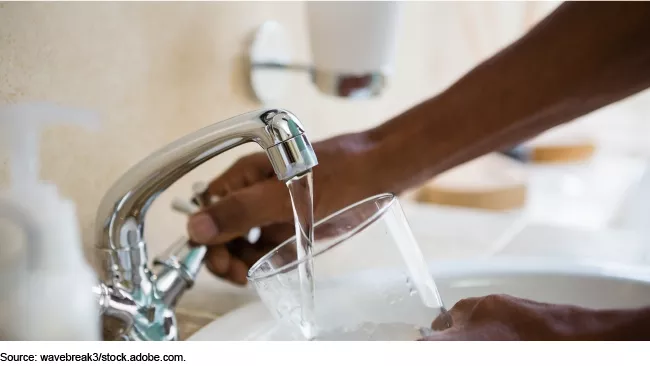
<point x="156" y="71"/>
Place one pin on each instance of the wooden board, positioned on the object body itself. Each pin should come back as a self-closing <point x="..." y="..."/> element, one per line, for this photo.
<point x="492" y="182"/>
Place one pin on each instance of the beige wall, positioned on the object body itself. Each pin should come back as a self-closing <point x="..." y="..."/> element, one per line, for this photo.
<point x="156" y="71"/>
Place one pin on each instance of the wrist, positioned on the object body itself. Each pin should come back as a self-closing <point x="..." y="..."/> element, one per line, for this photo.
<point x="426" y="140"/>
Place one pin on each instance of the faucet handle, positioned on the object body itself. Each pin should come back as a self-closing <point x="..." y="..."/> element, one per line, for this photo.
<point x="180" y="256"/>
<point x="192" y="206"/>
<point x="198" y="190"/>
<point x="184" y="207"/>
<point x="180" y="264"/>
<point x="178" y="267"/>
<point x="180" y="260"/>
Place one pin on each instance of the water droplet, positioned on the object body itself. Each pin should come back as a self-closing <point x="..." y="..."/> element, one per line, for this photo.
<point x="410" y="287"/>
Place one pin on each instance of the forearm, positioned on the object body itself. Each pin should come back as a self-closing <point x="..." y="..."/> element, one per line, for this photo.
<point x="582" y="57"/>
<point x="607" y="325"/>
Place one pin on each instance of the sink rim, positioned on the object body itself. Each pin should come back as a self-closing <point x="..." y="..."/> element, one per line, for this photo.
<point x="509" y="265"/>
<point x="462" y="268"/>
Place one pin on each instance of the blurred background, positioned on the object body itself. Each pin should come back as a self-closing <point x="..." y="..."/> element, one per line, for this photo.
<point x="157" y="71"/>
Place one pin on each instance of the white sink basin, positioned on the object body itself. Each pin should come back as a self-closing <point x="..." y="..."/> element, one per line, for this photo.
<point x="570" y="282"/>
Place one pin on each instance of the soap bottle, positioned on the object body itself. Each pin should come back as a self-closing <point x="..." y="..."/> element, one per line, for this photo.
<point x="45" y="282"/>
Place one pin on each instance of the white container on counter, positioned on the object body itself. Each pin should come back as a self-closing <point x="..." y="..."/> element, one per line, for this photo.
<point x="45" y="282"/>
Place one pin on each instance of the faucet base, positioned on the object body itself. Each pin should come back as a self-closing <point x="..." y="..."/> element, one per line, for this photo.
<point x="135" y="316"/>
<point x="115" y="329"/>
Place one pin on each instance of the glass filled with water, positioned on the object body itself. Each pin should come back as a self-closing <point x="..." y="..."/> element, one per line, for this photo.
<point x="357" y="274"/>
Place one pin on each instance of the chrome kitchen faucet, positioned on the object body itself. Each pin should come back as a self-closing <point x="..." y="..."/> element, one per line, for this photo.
<point x="137" y="302"/>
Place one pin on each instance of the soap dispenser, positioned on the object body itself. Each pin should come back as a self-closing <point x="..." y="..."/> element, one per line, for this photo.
<point x="45" y="285"/>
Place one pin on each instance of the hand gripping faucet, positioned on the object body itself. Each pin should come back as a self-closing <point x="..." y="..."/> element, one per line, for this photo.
<point x="136" y="302"/>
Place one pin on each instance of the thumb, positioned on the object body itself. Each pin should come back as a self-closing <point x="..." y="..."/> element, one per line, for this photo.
<point x="234" y="215"/>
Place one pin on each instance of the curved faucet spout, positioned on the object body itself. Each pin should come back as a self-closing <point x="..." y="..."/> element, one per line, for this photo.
<point x="121" y="246"/>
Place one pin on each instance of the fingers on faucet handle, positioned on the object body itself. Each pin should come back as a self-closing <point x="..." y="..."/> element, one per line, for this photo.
<point x="201" y="195"/>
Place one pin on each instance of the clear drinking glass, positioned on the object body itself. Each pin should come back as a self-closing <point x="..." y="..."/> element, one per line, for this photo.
<point x="371" y="281"/>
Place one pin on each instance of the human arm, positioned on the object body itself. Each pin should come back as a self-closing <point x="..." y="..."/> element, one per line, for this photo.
<point x="583" y="56"/>
<point x="580" y="58"/>
<point x="507" y="318"/>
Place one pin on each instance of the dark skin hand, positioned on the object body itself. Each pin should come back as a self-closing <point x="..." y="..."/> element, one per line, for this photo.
<point x="251" y="181"/>
<point x="583" y="56"/>
<point x="507" y="318"/>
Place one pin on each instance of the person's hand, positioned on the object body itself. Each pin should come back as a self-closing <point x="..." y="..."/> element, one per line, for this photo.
<point x="252" y="196"/>
<point x="507" y="318"/>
